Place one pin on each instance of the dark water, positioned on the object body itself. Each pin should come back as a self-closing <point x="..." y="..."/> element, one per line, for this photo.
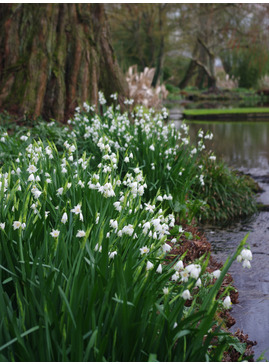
<point x="245" y="146"/>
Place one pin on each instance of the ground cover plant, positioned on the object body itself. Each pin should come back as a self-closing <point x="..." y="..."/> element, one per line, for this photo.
<point x="84" y="240"/>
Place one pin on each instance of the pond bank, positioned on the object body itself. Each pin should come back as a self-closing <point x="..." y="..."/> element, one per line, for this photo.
<point x="194" y="247"/>
<point x="252" y="312"/>
<point x="236" y="114"/>
<point x="245" y="147"/>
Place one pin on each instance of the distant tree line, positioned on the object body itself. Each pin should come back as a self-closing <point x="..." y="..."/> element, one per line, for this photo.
<point x="183" y="41"/>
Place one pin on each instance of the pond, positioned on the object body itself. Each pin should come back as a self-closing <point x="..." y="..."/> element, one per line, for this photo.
<point x="245" y="147"/>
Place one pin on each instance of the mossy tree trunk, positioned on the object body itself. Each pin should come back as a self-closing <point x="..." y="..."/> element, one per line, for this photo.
<point x="54" y="57"/>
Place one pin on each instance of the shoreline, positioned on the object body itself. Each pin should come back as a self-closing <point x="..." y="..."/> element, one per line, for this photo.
<point x="195" y="248"/>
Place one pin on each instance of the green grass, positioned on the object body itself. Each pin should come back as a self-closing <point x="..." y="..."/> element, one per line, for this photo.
<point x="251" y="110"/>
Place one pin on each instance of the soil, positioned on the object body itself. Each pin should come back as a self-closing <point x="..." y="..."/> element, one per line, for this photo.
<point x="196" y="246"/>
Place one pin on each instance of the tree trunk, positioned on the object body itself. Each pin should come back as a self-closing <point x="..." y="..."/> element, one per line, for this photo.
<point x="190" y="70"/>
<point x="54" y="57"/>
<point x="160" y="55"/>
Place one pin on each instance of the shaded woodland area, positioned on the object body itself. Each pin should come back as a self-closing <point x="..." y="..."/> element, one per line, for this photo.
<point x="54" y="57"/>
<point x="183" y="41"/>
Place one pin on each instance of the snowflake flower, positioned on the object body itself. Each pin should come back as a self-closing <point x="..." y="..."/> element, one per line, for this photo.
<point x="179" y="265"/>
<point x="165" y="290"/>
<point x="111" y="255"/>
<point x="186" y="295"/>
<point x="80" y="234"/>
<point x="64" y="218"/>
<point x="216" y="273"/>
<point x="149" y="265"/>
<point x="77" y="209"/>
<point x="55" y="233"/>
<point x="227" y="303"/>
<point x="113" y="224"/>
<point x="32" y="168"/>
<point x="144" y="250"/>
<point x="60" y="191"/>
<point x="166" y="248"/>
<point x="16" y="225"/>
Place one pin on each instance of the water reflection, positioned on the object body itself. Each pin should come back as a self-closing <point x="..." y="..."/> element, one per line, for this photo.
<point x="240" y="144"/>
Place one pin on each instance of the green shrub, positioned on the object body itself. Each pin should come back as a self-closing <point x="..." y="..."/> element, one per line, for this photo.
<point x="225" y="194"/>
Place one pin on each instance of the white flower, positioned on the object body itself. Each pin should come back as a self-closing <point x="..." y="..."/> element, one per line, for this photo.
<point x="48" y="180"/>
<point x="126" y="159"/>
<point x="72" y="149"/>
<point x="77" y="209"/>
<point x="194" y="270"/>
<point x="149" y="265"/>
<point x="32" y="168"/>
<point x="216" y="273"/>
<point x="198" y="282"/>
<point x="97" y="218"/>
<point x="112" y="254"/>
<point x="144" y="250"/>
<point x="35" y="191"/>
<point x="175" y="277"/>
<point x="80" y="234"/>
<point x="179" y="265"/>
<point x="46" y="214"/>
<point x="246" y="254"/>
<point x="246" y="264"/>
<point x="16" y="225"/>
<point x="117" y="205"/>
<point x="184" y="275"/>
<point x="64" y="218"/>
<point x="97" y="248"/>
<point x="186" y="295"/>
<point x="128" y="229"/>
<point x="152" y="147"/>
<point x="31" y="177"/>
<point x="2" y="225"/>
<point x="113" y="224"/>
<point x="239" y="258"/>
<point x="212" y="157"/>
<point x="60" y="191"/>
<point x="23" y="225"/>
<point x="159" y="269"/>
<point x="165" y="290"/>
<point x="55" y="233"/>
<point x="227" y="303"/>
<point x="136" y="170"/>
<point x="166" y="248"/>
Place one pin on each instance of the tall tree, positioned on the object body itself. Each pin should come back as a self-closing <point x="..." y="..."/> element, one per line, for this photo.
<point x="140" y="32"/>
<point x="54" y="57"/>
<point x="204" y="28"/>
